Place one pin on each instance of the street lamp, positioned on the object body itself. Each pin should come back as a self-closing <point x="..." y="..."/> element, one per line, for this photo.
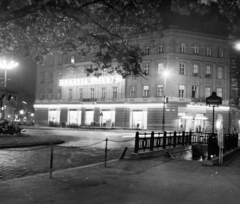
<point x="165" y="75"/>
<point x="7" y="65"/>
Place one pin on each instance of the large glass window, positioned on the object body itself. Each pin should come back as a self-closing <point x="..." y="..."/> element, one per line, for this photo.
<point x="41" y="95"/>
<point x="50" y="79"/>
<point x="208" y="71"/>
<point x="182" y="69"/>
<point x="196" y="49"/>
<point x="160" y="48"/>
<point x="207" y="91"/>
<point x="146" y="69"/>
<point x="132" y="91"/>
<point x="92" y="92"/>
<point x="194" y="91"/>
<point x="160" y="68"/>
<point x="42" y="80"/>
<point x="115" y="92"/>
<point x="183" y="48"/>
<point x="219" y="92"/>
<point x="220" y="73"/>
<point x="195" y="69"/>
<point x="220" y="52"/>
<point x="70" y="93"/>
<point x="146" y="91"/>
<point x="81" y="93"/>
<point x="209" y="51"/>
<point x="103" y="92"/>
<point x="147" y="50"/>
<point x="59" y="94"/>
<point x="181" y="91"/>
<point x="50" y="94"/>
<point x="160" y="90"/>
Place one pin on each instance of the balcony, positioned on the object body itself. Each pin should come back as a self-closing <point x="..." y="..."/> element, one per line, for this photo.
<point x="195" y="74"/>
<point x="207" y="75"/>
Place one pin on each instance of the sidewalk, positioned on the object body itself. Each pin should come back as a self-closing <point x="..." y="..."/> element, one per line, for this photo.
<point x="150" y="181"/>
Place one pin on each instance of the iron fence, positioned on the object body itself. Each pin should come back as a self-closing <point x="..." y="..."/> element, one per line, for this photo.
<point x="152" y="141"/>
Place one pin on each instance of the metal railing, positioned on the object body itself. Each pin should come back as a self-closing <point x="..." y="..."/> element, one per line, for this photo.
<point x="152" y="141"/>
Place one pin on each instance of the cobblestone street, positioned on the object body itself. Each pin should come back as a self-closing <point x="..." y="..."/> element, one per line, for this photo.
<point x="22" y="162"/>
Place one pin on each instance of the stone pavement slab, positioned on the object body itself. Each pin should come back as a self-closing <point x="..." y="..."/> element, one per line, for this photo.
<point x="128" y="182"/>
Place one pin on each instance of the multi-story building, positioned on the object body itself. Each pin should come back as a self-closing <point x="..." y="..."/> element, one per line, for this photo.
<point x="198" y="64"/>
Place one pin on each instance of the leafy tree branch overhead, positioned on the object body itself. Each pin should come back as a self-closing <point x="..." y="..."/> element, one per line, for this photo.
<point x="110" y="29"/>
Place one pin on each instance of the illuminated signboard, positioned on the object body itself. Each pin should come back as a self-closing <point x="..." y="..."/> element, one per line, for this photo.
<point x="93" y="80"/>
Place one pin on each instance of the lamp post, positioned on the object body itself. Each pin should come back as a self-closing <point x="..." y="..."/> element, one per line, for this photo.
<point x="6" y="65"/>
<point x="165" y="74"/>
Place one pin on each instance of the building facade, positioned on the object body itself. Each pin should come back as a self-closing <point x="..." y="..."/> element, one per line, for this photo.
<point x="198" y="64"/>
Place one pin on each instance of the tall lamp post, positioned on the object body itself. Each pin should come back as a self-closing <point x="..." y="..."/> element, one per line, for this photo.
<point x="165" y="75"/>
<point x="6" y="66"/>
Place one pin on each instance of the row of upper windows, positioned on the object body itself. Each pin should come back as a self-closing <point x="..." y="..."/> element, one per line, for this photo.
<point x="71" y="73"/>
<point x="181" y="91"/>
<point x="132" y="92"/>
<point x="208" y="51"/>
<point x="103" y="94"/>
<point x="182" y="70"/>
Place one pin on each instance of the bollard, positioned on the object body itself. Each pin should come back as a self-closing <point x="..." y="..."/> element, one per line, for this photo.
<point x="152" y="141"/>
<point x="136" y="143"/>
<point x="106" y="152"/>
<point x="51" y="161"/>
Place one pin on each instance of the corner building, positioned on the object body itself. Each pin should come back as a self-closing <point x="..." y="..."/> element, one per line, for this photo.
<point x="198" y="64"/>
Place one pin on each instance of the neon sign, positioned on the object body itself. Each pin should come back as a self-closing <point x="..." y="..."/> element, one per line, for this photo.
<point x="92" y="80"/>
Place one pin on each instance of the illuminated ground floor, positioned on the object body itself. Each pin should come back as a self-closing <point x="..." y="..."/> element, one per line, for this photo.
<point x="178" y="116"/>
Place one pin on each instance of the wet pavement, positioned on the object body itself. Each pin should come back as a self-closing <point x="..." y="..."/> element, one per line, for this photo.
<point x="20" y="162"/>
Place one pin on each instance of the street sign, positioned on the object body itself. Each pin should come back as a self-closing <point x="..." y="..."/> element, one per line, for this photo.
<point x="213" y="99"/>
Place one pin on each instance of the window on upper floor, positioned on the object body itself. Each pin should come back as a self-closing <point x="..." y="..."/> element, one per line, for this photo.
<point x="181" y="68"/>
<point x="194" y="91"/>
<point x="207" y="91"/>
<point x="104" y="72"/>
<point x="81" y="93"/>
<point x="209" y="51"/>
<point x="42" y="79"/>
<point x="147" y="50"/>
<point x="70" y="94"/>
<point x="92" y="93"/>
<point x="195" y="70"/>
<point x="50" y="94"/>
<point x="160" y="48"/>
<point x="132" y="91"/>
<point x="181" y="91"/>
<point x="220" y="52"/>
<point x="208" y="71"/>
<point x="145" y="91"/>
<point x="103" y="96"/>
<point x="41" y="96"/>
<point x="71" y="72"/>
<point x="160" y="68"/>
<point x="159" y="90"/>
<point x="146" y="69"/>
<point x="72" y="59"/>
<point x="219" y="92"/>
<point x="219" y="72"/>
<point x="50" y="79"/>
<point x="114" y="92"/>
<point x="59" y="94"/>
<point x="183" y="48"/>
<point x="196" y="49"/>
